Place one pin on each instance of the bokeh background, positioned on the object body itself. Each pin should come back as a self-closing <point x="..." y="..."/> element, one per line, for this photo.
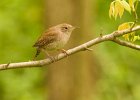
<point x="110" y="72"/>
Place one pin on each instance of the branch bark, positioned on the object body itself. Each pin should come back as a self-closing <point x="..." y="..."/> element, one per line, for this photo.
<point x="110" y="37"/>
<point x="127" y="44"/>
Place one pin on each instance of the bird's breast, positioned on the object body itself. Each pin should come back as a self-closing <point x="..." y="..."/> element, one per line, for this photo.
<point x="60" y="42"/>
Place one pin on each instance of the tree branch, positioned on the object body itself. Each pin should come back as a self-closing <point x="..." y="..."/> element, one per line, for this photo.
<point x="110" y="37"/>
<point x="127" y="44"/>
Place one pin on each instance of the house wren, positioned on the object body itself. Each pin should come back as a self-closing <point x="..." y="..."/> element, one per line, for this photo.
<point x="54" y="38"/>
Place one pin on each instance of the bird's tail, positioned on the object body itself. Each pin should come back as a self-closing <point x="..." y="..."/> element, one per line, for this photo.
<point x="37" y="53"/>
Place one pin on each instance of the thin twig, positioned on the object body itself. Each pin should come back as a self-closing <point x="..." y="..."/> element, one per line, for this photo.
<point x="126" y="44"/>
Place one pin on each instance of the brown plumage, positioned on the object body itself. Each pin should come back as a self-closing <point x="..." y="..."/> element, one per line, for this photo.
<point x="54" y="38"/>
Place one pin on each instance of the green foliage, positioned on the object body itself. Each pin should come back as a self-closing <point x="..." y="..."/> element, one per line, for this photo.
<point x="117" y="9"/>
<point x="120" y="70"/>
<point x="20" y="23"/>
<point x="130" y="36"/>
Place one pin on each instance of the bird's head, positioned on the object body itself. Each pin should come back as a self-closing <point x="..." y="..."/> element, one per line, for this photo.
<point x="66" y="28"/>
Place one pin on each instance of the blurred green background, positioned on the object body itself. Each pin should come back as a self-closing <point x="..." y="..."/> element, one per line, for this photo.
<point x="116" y="69"/>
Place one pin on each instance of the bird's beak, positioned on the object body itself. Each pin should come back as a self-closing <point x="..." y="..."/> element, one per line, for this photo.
<point x="75" y="27"/>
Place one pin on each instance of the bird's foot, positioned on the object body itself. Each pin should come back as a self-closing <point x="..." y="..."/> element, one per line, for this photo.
<point x="65" y="52"/>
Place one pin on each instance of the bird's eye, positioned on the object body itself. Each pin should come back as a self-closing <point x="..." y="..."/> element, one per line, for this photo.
<point x="65" y="28"/>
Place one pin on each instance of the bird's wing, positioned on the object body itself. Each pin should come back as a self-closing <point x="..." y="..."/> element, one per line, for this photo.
<point x="46" y="38"/>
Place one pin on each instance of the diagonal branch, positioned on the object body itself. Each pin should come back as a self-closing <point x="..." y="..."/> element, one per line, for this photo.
<point x="127" y="44"/>
<point x="82" y="47"/>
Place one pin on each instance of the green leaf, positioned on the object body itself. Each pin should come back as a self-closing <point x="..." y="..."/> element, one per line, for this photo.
<point x="126" y="5"/>
<point x="135" y="38"/>
<point x="116" y="10"/>
<point x="129" y="36"/>
<point x="138" y="37"/>
<point x="124" y="26"/>
<point x="131" y="3"/>
<point x="111" y="10"/>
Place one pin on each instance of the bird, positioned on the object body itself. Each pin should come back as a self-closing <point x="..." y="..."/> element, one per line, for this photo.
<point x="54" y="38"/>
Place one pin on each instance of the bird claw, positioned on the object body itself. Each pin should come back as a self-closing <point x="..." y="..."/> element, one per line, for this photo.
<point x="65" y="52"/>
